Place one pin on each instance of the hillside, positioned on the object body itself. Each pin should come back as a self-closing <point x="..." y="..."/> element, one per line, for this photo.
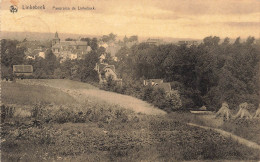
<point x="83" y="90"/>
<point x="77" y="122"/>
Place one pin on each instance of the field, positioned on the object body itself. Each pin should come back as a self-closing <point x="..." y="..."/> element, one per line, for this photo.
<point x="21" y="94"/>
<point x="246" y="128"/>
<point x="44" y="124"/>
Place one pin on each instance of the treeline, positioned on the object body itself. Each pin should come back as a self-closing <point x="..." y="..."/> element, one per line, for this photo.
<point x="208" y="74"/>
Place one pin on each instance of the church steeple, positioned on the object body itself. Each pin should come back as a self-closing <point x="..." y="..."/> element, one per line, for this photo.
<point x="56" y="35"/>
<point x="56" y="39"/>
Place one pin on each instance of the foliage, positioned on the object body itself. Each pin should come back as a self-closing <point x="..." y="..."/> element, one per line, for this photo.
<point x="137" y="138"/>
<point x="11" y="54"/>
<point x="158" y="97"/>
<point x="6" y="112"/>
<point x="81" y="131"/>
<point x="109" y="38"/>
<point x="207" y="74"/>
<point x="70" y="39"/>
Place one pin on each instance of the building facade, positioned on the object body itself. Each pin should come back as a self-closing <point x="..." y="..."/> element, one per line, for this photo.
<point x="105" y="71"/>
<point x="69" y="49"/>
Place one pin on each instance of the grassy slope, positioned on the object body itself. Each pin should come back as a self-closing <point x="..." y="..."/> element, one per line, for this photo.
<point x="104" y="132"/>
<point x="81" y="90"/>
<point x="62" y="83"/>
<point x="15" y="93"/>
<point x="246" y="128"/>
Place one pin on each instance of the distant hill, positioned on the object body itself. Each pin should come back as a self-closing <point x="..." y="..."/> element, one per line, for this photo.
<point x="30" y="36"/>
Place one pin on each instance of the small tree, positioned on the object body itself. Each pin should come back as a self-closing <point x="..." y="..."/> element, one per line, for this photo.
<point x="175" y="100"/>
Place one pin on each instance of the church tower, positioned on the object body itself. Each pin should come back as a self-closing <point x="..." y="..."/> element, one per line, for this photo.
<point x="56" y="39"/>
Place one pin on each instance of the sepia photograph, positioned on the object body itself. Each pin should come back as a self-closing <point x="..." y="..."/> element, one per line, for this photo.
<point x="130" y="80"/>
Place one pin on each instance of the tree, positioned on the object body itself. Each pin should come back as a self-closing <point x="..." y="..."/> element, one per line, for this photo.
<point x="94" y="44"/>
<point x="250" y="40"/>
<point x="133" y="38"/>
<point x="226" y="41"/>
<point x="70" y="39"/>
<point x="86" y="68"/>
<point x="211" y="41"/>
<point x="112" y="37"/>
<point x="209" y="73"/>
<point x="237" y="41"/>
<point x="51" y="62"/>
<point x="86" y="40"/>
<point x="11" y="54"/>
<point x="108" y="38"/>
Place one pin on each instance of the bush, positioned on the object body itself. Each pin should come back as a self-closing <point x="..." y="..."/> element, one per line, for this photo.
<point x="7" y="112"/>
<point x="156" y="96"/>
<point x="37" y="110"/>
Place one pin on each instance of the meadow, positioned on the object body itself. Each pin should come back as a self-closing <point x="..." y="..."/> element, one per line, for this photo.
<point x="246" y="128"/>
<point x="21" y="94"/>
<point x="44" y="124"/>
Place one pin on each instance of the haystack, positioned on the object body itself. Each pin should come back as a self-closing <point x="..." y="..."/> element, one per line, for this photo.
<point x="224" y="111"/>
<point x="257" y="113"/>
<point x="243" y="111"/>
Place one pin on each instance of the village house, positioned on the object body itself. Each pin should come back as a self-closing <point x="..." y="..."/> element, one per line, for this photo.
<point x="158" y="83"/>
<point x="30" y="57"/>
<point x="154" y="41"/>
<point x="32" y="53"/>
<point x="41" y="54"/>
<point x="73" y="56"/>
<point x="19" y="70"/>
<point x="105" y="71"/>
<point x="69" y="49"/>
<point x="34" y="49"/>
<point x="153" y="82"/>
<point x="188" y="43"/>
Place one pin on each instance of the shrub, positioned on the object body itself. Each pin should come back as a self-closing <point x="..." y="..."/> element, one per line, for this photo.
<point x="37" y="110"/>
<point x="175" y="100"/>
<point x="7" y="112"/>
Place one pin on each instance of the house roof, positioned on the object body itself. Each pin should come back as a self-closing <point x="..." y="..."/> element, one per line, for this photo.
<point x="110" y="67"/>
<point x="74" y="43"/>
<point x="102" y="67"/>
<point x="23" y="68"/>
<point x="89" y="49"/>
<point x="165" y="86"/>
<point x="155" y="80"/>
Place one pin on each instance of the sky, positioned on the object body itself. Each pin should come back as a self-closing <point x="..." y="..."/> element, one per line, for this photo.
<point x="146" y="18"/>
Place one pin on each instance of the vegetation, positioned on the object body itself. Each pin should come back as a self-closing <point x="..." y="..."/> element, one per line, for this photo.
<point x="207" y="74"/>
<point x="93" y="130"/>
<point x="246" y="128"/>
<point x="112" y="134"/>
<point x="167" y="101"/>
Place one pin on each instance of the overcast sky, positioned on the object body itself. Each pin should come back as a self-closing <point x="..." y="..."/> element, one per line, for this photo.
<point x="145" y="18"/>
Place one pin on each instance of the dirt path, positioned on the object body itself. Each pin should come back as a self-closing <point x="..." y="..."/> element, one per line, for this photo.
<point x="79" y="93"/>
<point x="230" y="135"/>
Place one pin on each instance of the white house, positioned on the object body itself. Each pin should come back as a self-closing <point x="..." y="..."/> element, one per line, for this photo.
<point x="41" y="54"/>
<point x="73" y="56"/>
